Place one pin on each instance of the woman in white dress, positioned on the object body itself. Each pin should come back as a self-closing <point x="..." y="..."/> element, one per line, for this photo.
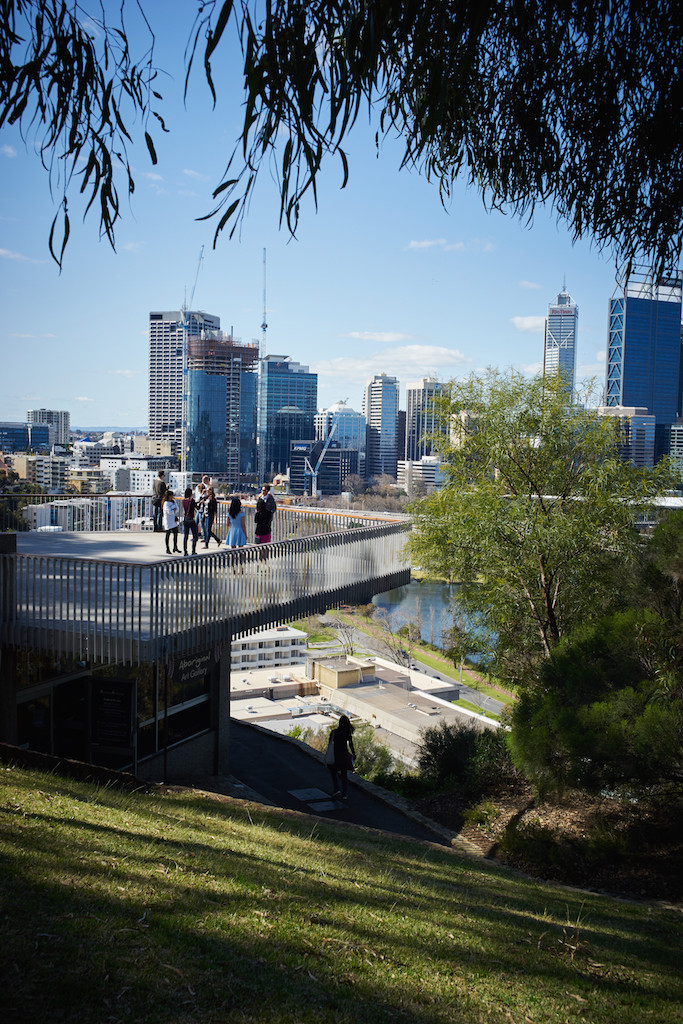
<point x="169" y="522"/>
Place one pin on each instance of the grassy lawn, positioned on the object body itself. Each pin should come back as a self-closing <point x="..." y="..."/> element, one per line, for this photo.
<point x="475" y="707"/>
<point x="474" y="680"/>
<point x="120" y="907"/>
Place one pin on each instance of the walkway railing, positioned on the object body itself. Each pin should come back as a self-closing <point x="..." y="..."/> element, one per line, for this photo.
<point x="111" y="612"/>
<point x="112" y="512"/>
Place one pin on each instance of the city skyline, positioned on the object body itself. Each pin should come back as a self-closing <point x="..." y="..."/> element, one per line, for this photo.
<point x="380" y="279"/>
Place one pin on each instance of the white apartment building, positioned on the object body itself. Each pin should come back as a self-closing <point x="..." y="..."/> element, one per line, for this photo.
<point x="269" y="648"/>
<point x="425" y="474"/>
<point x="57" y="418"/>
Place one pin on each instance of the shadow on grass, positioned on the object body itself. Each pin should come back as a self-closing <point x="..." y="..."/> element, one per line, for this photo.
<point x="128" y="907"/>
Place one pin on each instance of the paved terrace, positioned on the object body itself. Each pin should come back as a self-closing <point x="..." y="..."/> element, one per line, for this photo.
<point x="113" y="597"/>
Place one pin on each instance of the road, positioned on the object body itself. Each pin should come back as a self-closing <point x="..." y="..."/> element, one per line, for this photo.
<point x="366" y="642"/>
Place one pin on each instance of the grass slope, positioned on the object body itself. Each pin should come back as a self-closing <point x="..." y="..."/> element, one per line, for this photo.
<point x="120" y="907"/>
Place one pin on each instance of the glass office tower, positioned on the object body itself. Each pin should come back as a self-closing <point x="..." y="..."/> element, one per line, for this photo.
<point x="287" y="402"/>
<point x="216" y="366"/>
<point x="561" y="330"/>
<point x="644" y="348"/>
<point x="380" y="408"/>
<point x="422" y="421"/>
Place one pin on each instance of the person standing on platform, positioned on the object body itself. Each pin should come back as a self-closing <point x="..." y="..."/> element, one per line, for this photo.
<point x="237" y="534"/>
<point x="169" y="517"/>
<point x="265" y="510"/>
<point x="190" y="524"/>
<point x="209" y="510"/>
<point x="159" y="489"/>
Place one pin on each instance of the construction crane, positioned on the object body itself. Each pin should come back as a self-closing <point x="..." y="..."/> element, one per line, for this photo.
<point x="264" y="324"/>
<point x="186" y="335"/>
<point x="311" y="472"/>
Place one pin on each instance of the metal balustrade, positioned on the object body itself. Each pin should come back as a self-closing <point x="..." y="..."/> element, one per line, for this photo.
<point x="110" y="612"/>
<point x="96" y="513"/>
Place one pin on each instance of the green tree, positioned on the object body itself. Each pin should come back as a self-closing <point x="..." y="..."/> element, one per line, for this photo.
<point x="574" y="106"/>
<point x="537" y="519"/>
<point x="599" y="716"/>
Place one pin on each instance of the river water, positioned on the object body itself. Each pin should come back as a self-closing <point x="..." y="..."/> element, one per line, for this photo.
<point x="425" y="603"/>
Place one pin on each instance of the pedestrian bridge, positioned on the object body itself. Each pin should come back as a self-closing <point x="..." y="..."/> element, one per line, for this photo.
<point x="114" y="597"/>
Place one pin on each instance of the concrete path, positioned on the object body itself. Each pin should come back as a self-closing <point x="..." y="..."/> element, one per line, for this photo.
<point x="281" y="772"/>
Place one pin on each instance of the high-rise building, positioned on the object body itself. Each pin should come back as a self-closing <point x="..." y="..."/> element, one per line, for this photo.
<point x="380" y="408"/>
<point x="314" y="469"/>
<point x="422" y="420"/>
<point x="561" y="332"/>
<point x="636" y="434"/>
<point x="349" y="429"/>
<point x="644" y="348"/>
<point x="287" y="401"/>
<point x="216" y="365"/>
<point x="60" y="420"/>
<point x="169" y="333"/>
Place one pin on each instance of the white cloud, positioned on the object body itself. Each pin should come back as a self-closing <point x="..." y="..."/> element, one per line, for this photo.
<point x="8" y="254"/>
<point x="474" y="244"/>
<point x="132" y="246"/>
<point x="195" y="175"/>
<point x="82" y="398"/>
<point x="529" y="285"/>
<point x="187" y="193"/>
<point x="152" y="176"/>
<point x="533" y="368"/>
<point x="406" y="362"/>
<point x="529" y="324"/>
<point x="427" y="243"/>
<point x="8" y="151"/>
<point x="124" y="373"/>
<point x="600" y="357"/>
<point x="383" y="336"/>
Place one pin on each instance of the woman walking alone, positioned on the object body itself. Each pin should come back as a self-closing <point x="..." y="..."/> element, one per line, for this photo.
<point x="209" y="509"/>
<point x="344" y="754"/>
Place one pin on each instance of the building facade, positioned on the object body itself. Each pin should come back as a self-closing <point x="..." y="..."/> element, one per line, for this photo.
<point x="287" y="402"/>
<point x="314" y="469"/>
<point x="60" y="420"/>
<point x="561" y="333"/>
<point x="636" y="434"/>
<point x="217" y="365"/>
<point x="380" y="408"/>
<point x="26" y="437"/>
<point x="349" y="429"/>
<point x="268" y="648"/>
<point x="169" y="333"/>
<point x="644" y="349"/>
<point x="421" y="417"/>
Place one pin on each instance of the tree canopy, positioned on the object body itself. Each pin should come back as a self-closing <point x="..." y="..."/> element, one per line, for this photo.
<point x="536" y="521"/>
<point x="576" y="105"/>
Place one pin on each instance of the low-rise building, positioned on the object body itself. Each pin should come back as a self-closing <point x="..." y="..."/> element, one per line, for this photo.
<point x="269" y="648"/>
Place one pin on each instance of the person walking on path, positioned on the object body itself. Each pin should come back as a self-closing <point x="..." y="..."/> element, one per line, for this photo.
<point x="209" y="510"/>
<point x="265" y="510"/>
<point x="341" y="740"/>
<point x="169" y="517"/>
<point x="190" y="524"/>
<point x="158" y="491"/>
<point x="237" y="534"/>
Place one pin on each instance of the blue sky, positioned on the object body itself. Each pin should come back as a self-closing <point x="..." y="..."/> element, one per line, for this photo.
<point x="381" y="278"/>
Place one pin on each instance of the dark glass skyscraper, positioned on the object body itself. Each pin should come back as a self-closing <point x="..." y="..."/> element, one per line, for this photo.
<point x="644" y="348"/>
<point x="216" y="367"/>
<point x="287" y="402"/>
